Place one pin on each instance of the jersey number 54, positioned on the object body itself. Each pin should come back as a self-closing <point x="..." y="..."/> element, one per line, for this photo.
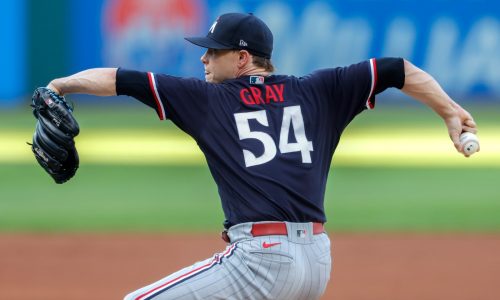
<point x="292" y="117"/>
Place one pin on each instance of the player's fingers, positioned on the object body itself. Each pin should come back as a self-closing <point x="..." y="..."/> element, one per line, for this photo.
<point x="470" y="126"/>
<point x="455" y="138"/>
<point x="469" y="129"/>
<point x="54" y="88"/>
<point x="470" y="123"/>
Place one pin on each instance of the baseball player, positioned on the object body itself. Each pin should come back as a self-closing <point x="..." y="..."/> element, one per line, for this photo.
<point x="268" y="141"/>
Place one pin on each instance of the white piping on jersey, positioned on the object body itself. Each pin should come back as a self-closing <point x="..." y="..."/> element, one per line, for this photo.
<point x="156" y="95"/>
<point x="373" y="69"/>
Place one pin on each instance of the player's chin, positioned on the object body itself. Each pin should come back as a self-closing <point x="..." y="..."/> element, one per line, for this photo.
<point x="209" y="77"/>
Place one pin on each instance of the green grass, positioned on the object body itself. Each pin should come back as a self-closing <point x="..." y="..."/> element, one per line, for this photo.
<point x="145" y="198"/>
<point x="108" y="198"/>
<point x="419" y="199"/>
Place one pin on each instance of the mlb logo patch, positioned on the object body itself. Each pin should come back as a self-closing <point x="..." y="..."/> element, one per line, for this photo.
<point x="301" y="233"/>
<point x="256" y="79"/>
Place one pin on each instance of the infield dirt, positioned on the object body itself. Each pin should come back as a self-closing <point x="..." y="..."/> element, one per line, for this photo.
<point x="377" y="266"/>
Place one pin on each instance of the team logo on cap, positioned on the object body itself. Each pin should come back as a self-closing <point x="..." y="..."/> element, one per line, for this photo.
<point x="212" y="28"/>
<point x="256" y="79"/>
<point x="243" y="43"/>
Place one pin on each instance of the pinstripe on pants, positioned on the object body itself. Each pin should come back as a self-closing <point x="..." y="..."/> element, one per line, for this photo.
<point x="296" y="266"/>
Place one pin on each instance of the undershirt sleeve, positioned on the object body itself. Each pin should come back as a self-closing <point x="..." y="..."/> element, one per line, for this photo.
<point x="390" y="73"/>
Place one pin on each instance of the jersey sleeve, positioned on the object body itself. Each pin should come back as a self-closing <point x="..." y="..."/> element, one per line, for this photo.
<point x="182" y="100"/>
<point x="352" y="89"/>
<point x="344" y="92"/>
<point x="355" y="86"/>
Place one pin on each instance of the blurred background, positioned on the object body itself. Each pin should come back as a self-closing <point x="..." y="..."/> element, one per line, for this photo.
<point x="399" y="153"/>
<point x="395" y="170"/>
<point x="458" y="42"/>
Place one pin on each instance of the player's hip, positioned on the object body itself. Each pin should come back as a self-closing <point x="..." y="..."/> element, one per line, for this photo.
<point x="281" y="242"/>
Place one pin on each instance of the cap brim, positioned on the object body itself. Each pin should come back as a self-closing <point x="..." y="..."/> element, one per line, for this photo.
<point x="207" y="42"/>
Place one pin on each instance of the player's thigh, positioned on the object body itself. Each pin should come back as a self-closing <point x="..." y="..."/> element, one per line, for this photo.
<point x="204" y="280"/>
<point x="185" y="284"/>
<point x="244" y="274"/>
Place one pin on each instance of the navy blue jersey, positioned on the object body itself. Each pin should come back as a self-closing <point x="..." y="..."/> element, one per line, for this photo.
<point x="268" y="141"/>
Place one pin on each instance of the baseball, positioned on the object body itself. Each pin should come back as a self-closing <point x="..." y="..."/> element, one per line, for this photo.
<point x="469" y="142"/>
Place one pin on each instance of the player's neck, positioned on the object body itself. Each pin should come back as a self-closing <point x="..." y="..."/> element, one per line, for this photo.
<point x="252" y="70"/>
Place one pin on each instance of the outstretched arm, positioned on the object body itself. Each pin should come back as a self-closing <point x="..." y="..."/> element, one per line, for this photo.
<point x="98" y="82"/>
<point x="423" y="87"/>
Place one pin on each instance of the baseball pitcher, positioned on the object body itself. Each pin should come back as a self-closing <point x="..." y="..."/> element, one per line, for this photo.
<point x="268" y="141"/>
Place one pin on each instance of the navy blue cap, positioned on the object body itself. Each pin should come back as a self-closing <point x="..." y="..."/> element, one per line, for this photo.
<point x="240" y="32"/>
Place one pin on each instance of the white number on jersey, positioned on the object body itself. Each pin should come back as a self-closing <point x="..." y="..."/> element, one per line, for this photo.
<point x="245" y="133"/>
<point x="292" y="117"/>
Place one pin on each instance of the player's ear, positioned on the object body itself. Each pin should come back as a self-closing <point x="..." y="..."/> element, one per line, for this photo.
<point x="244" y="58"/>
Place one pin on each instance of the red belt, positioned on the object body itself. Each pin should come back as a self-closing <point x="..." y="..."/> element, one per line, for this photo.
<point x="279" y="228"/>
<point x="274" y="228"/>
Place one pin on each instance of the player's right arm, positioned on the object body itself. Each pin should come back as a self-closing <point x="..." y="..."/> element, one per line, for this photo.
<point x="98" y="82"/>
<point x="423" y="87"/>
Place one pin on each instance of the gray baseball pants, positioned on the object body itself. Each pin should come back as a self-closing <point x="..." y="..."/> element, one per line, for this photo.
<point x="292" y="266"/>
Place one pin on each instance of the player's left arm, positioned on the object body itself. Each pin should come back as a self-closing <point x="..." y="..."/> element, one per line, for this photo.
<point x="98" y="82"/>
<point x="420" y="85"/>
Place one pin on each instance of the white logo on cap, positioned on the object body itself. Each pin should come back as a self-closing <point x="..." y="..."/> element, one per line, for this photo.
<point x="243" y="43"/>
<point x="212" y="28"/>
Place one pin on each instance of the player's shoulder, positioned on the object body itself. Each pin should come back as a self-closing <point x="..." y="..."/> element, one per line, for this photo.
<point x="177" y="84"/>
<point x="337" y="71"/>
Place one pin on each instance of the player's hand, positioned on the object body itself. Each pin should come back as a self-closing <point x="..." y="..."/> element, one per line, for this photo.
<point x="460" y="121"/>
<point x="51" y="86"/>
